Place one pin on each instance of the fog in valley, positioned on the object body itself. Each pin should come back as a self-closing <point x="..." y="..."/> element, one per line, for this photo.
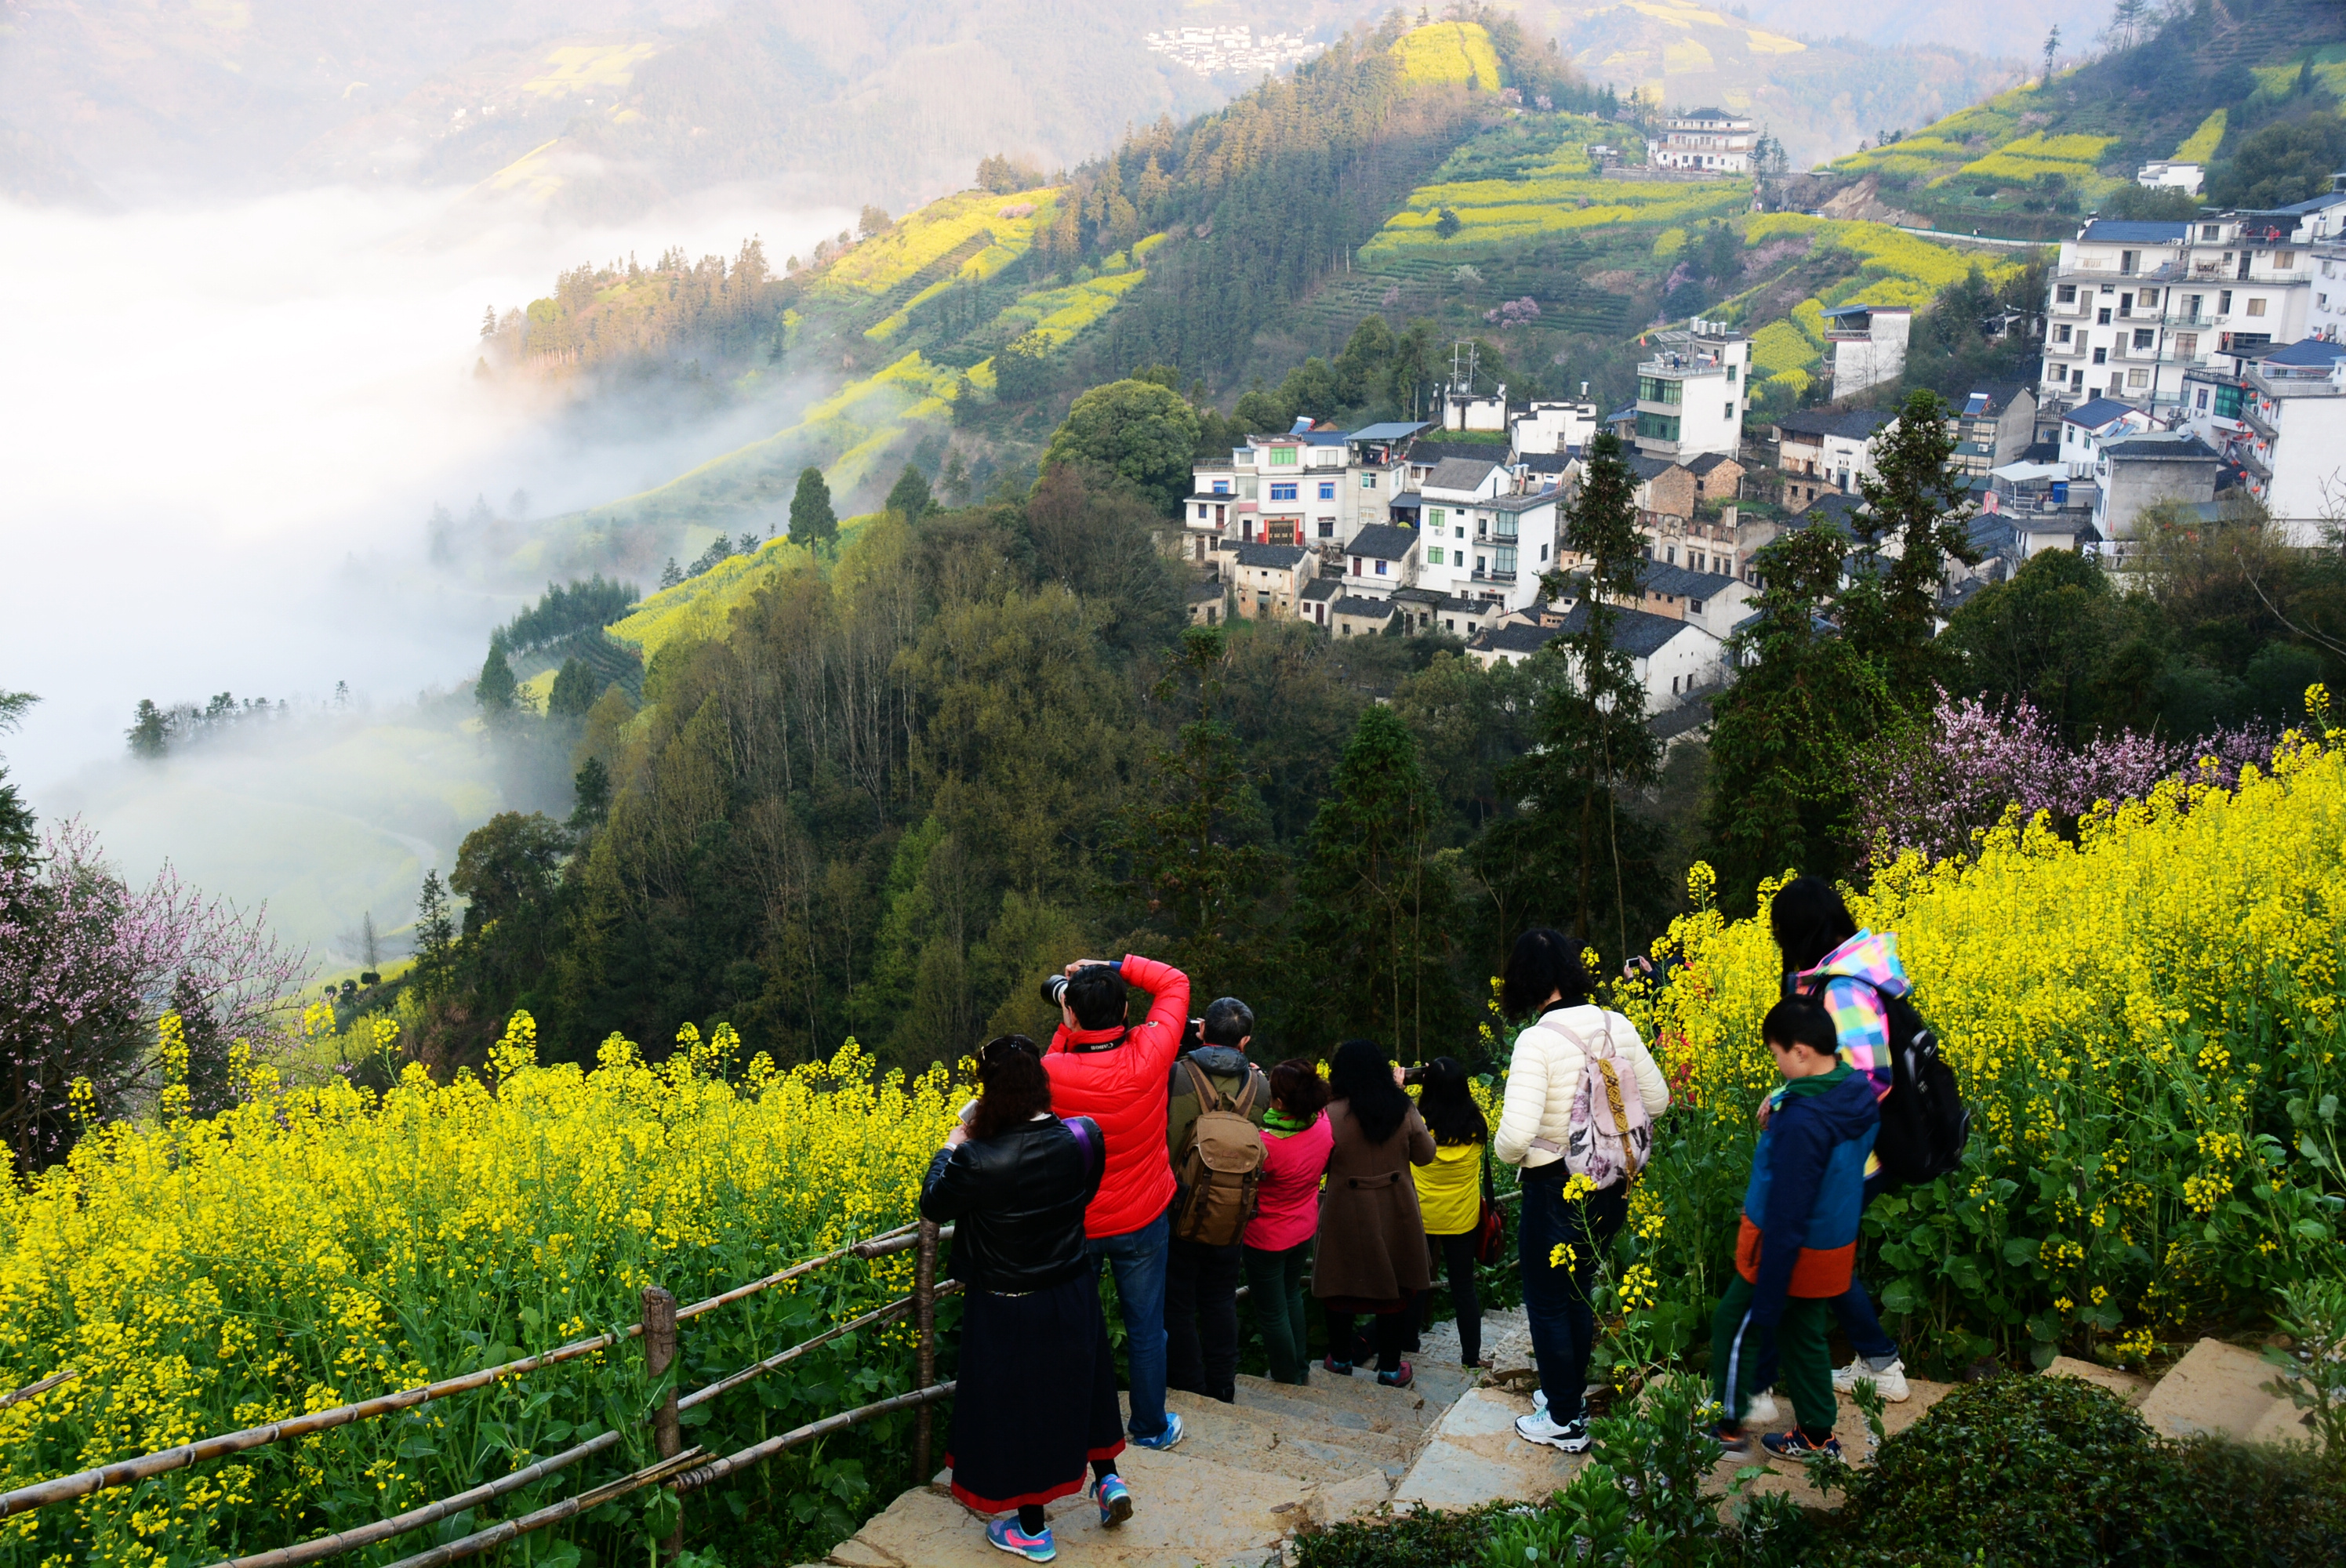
<point x="227" y="423"/>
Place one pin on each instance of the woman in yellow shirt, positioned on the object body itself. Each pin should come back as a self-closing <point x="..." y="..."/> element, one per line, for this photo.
<point x="1449" y="1190"/>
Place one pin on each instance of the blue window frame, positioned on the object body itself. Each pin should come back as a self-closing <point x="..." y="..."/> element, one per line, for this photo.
<point x="1285" y="492"/>
<point x="1326" y="490"/>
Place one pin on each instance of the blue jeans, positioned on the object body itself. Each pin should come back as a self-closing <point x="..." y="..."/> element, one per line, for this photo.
<point x="1556" y="1297"/>
<point x="1138" y="1257"/>
<point x="1854" y="1309"/>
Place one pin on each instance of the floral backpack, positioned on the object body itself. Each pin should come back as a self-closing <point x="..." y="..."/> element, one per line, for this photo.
<point x="1611" y="1136"/>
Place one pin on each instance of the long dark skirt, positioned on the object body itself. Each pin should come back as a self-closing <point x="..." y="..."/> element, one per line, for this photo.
<point x="1037" y="1401"/>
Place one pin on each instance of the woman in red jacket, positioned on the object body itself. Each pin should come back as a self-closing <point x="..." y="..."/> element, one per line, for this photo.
<point x="1296" y="1141"/>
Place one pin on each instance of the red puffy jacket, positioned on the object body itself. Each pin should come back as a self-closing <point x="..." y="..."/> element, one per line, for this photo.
<point x="1124" y="1089"/>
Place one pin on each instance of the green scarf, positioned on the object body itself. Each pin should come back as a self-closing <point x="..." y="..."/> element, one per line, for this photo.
<point x="1815" y="1085"/>
<point x="1279" y="1121"/>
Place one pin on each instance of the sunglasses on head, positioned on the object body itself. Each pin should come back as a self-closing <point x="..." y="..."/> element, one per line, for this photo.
<point x="1002" y="1045"/>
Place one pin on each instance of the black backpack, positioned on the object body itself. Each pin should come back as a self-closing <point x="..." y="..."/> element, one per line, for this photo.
<point x="1924" y="1122"/>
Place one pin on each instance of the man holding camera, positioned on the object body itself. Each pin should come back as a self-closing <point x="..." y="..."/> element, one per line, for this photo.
<point x="1201" y="1276"/>
<point x="1116" y="1075"/>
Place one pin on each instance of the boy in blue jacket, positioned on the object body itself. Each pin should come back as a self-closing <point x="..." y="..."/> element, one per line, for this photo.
<point x="1799" y="1238"/>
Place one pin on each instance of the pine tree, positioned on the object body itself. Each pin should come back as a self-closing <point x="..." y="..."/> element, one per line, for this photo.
<point x="435" y="939"/>
<point x="592" y="790"/>
<point x="574" y="690"/>
<point x="669" y="576"/>
<point x="1891" y="614"/>
<point x="910" y="495"/>
<point x="812" y="522"/>
<point x="1373" y="911"/>
<point x="369" y="944"/>
<point x="1782" y="735"/>
<point x="1195" y="833"/>
<point x="496" y="689"/>
<point x="150" y="730"/>
<point x="1592" y="740"/>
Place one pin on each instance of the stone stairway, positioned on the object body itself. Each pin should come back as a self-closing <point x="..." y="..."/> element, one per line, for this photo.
<point x="1245" y="1476"/>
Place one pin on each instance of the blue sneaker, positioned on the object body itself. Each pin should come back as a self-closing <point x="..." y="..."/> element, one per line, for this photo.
<point x="1005" y="1534"/>
<point x="1114" y="1502"/>
<point x="1166" y="1438"/>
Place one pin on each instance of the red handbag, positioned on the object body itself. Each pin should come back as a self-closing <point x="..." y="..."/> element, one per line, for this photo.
<point x="1491" y="1231"/>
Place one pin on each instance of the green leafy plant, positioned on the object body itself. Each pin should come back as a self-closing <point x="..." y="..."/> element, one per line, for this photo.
<point x="2313" y="1369"/>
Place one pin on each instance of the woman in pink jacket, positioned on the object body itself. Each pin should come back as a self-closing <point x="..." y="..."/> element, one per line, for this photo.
<point x="1295" y="1147"/>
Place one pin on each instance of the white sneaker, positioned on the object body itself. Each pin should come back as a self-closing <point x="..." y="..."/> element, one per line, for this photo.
<point x="1761" y="1409"/>
<point x="1889" y="1382"/>
<point x="1539" y="1396"/>
<point x="1571" y="1437"/>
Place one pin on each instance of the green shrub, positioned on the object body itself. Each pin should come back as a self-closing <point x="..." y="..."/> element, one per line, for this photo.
<point x="2045" y="1471"/>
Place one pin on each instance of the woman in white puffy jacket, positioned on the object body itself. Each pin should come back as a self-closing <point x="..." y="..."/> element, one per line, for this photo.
<point x="1544" y="978"/>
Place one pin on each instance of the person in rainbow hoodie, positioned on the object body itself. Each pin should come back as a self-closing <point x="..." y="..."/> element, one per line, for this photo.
<point x="1852" y="974"/>
<point x="1798" y="1241"/>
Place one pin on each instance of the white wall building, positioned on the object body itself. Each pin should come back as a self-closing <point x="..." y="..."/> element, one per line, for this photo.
<point x="1311" y="487"/>
<point x="1868" y="344"/>
<point x="1692" y="393"/>
<point x="2295" y="450"/>
<point x="2090" y="426"/>
<point x="2134" y="306"/>
<point x="1552" y="427"/>
<point x="2163" y="174"/>
<point x="1711" y="141"/>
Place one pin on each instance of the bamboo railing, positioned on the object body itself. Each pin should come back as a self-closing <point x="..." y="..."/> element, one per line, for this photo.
<point x="681" y="1468"/>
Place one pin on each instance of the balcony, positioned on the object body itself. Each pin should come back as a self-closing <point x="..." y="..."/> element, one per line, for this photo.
<point x="1494" y="576"/>
<point x="2258" y="423"/>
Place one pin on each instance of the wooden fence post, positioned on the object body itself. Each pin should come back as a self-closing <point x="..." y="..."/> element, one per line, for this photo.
<point x="924" y="1318"/>
<point x="668" y="1432"/>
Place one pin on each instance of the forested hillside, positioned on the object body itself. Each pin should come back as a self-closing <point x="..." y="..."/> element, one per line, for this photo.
<point x="892" y="786"/>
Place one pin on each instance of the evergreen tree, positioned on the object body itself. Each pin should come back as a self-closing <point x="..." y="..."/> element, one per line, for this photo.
<point x="574" y="690"/>
<point x="812" y="522"/>
<point x="909" y="497"/>
<point x="1373" y="910"/>
<point x="1891" y="614"/>
<point x="17" y="838"/>
<point x="1592" y="738"/>
<point x="1194" y="833"/>
<point x="435" y="939"/>
<point x="1781" y="735"/>
<point x="591" y="788"/>
<point x="669" y="576"/>
<point x="150" y="730"/>
<point x="1136" y="429"/>
<point x="497" y="690"/>
<point x="370" y="945"/>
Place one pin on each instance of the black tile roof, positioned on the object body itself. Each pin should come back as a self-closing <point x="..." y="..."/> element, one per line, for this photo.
<point x="1635" y="632"/>
<point x="1513" y="636"/>
<point x="1323" y="588"/>
<point x="1362" y="608"/>
<point x="1382" y="542"/>
<point x="1851" y="423"/>
<point x="1281" y="557"/>
<point x="1684" y="582"/>
<point x="1701" y="466"/>
<point x="1460" y="472"/>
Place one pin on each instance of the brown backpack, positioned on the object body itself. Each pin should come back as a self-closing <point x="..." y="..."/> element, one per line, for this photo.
<point x="1222" y="1160"/>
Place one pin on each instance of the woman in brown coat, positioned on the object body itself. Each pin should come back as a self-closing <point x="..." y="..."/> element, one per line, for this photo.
<point x="1369" y="1255"/>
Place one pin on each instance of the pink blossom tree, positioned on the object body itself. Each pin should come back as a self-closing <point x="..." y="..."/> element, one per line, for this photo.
<point x="88" y="963"/>
<point x="1948" y="774"/>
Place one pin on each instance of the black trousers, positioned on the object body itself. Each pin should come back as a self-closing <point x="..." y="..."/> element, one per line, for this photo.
<point x="1201" y="1318"/>
<point x="1458" y="1264"/>
<point x="1389" y="1334"/>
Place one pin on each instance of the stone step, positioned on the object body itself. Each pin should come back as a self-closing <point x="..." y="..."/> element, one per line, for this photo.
<point x="1359" y="1392"/>
<point x="1271" y="1444"/>
<point x="1402" y="1415"/>
<point x="1390" y="1450"/>
<point x="1187" y="1511"/>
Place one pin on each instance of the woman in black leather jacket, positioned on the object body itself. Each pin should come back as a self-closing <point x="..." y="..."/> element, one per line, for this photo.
<point x="1036" y="1397"/>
